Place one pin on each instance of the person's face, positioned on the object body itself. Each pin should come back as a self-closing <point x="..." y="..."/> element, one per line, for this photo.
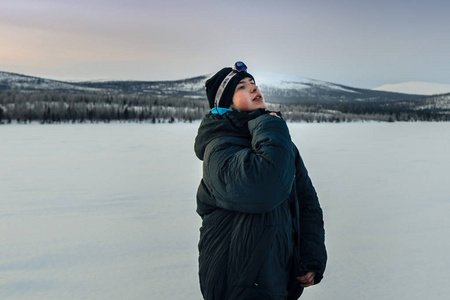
<point x="247" y="96"/>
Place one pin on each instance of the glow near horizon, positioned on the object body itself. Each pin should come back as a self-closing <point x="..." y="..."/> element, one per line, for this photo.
<point x="357" y="43"/>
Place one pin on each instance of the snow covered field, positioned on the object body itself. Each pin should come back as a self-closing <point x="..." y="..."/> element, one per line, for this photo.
<point x="108" y="211"/>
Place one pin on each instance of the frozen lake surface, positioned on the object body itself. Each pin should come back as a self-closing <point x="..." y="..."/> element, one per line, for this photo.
<point x="108" y="211"/>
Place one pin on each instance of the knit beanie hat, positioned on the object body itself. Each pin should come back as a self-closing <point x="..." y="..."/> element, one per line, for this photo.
<point x="223" y="84"/>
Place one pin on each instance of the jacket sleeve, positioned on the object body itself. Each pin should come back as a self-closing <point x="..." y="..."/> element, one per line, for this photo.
<point x="252" y="176"/>
<point x="313" y="255"/>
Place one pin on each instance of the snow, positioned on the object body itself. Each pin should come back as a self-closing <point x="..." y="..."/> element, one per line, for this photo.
<point x="283" y="81"/>
<point x="415" y="87"/>
<point x="108" y="211"/>
<point x="19" y="82"/>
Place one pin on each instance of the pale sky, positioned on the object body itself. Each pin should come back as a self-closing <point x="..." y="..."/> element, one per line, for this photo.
<point x="361" y="43"/>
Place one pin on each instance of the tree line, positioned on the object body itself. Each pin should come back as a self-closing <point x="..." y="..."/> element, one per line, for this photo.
<point x="81" y="108"/>
<point x="47" y="108"/>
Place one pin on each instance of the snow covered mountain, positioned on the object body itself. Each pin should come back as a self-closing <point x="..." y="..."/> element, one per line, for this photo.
<point x="22" y="83"/>
<point x="295" y="89"/>
<point x="276" y="88"/>
<point x="192" y="87"/>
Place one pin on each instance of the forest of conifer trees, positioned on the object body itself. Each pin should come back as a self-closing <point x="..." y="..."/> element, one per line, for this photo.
<point x="47" y="108"/>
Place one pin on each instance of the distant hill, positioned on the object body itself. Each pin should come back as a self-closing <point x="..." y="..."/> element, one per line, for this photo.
<point x="23" y="83"/>
<point x="276" y="88"/>
<point x="299" y="90"/>
<point x="414" y="87"/>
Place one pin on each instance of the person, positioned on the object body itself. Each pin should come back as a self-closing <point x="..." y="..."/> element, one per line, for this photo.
<point x="262" y="233"/>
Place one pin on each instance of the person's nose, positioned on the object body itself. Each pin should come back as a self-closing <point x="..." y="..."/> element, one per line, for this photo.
<point x="254" y="88"/>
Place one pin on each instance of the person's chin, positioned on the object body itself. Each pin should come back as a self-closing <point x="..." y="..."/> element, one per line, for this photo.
<point x="261" y="105"/>
<point x="255" y="106"/>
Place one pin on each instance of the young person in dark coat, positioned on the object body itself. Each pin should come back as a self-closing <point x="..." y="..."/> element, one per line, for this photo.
<point x="262" y="234"/>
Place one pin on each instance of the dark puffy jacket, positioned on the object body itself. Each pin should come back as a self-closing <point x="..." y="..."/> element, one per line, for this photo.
<point x="253" y="176"/>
